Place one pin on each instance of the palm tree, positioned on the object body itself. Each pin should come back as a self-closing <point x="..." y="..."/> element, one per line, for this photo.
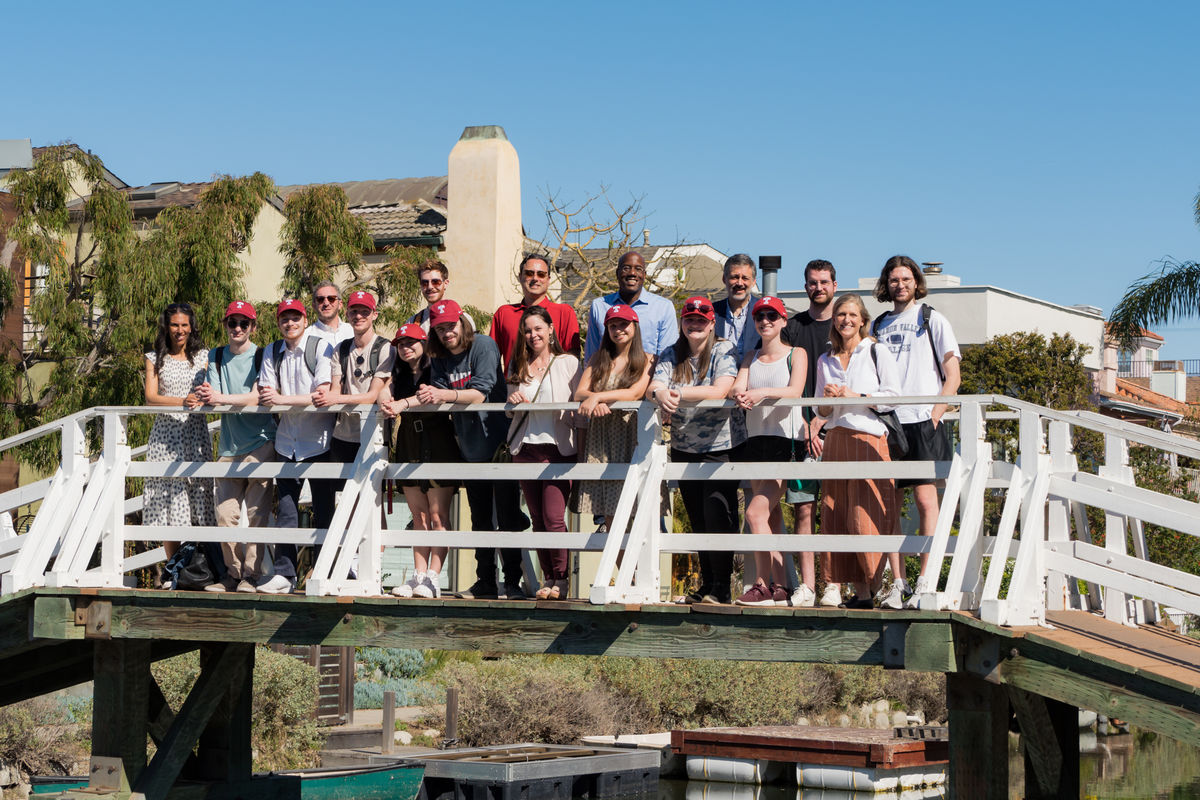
<point x="1164" y="295"/>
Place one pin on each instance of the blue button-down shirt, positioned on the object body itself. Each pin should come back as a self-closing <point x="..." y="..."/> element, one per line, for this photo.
<point x="739" y="328"/>
<point x="656" y="317"/>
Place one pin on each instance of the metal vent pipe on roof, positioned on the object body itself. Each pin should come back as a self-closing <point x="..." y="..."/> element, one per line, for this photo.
<point x="932" y="267"/>
<point x="770" y="266"/>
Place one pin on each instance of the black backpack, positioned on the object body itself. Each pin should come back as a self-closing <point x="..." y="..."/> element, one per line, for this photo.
<point x="344" y="348"/>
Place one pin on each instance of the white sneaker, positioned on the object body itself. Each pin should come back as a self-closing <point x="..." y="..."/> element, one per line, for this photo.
<point x="892" y="597"/>
<point x="832" y="596"/>
<point x="804" y="597"/>
<point x="278" y="584"/>
<point x="921" y="588"/>
<point x="408" y="588"/>
<point x="428" y="587"/>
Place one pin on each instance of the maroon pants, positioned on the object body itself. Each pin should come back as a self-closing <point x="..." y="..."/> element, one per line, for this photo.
<point x="547" y="502"/>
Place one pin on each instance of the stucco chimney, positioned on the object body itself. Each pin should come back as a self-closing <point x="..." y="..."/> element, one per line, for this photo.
<point x="484" y="236"/>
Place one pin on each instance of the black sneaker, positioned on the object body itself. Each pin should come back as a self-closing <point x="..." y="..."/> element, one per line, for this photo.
<point x="480" y="591"/>
<point x="512" y="591"/>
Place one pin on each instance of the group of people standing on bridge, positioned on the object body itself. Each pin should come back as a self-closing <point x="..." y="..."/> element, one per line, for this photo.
<point x="744" y="348"/>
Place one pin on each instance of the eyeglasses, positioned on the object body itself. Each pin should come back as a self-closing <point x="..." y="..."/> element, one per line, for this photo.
<point x="234" y="325"/>
<point x="529" y="273"/>
<point x="358" y="311"/>
<point x="768" y="316"/>
<point x="329" y="298"/>
<point x="434" y="282"/>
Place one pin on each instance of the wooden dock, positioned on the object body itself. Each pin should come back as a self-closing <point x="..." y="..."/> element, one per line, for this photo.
<point x="861" y="748"/>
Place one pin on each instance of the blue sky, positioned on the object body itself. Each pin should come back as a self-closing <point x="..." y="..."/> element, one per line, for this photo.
<point x="1047" y="148"/>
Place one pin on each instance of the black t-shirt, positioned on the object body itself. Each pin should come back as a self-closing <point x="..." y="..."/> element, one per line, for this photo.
<point x="812" y="336"/>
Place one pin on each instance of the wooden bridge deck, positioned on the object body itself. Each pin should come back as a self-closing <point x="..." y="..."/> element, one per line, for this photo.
<point x="53" y="638"/>
<point x="1147" y="676"/>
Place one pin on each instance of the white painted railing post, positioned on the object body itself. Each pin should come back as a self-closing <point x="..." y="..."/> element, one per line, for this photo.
<point x="1025" y="603"/>
<point x="1116" y="468"/>
<point x="966" y="567"/>
<point x="58" y="507"/>
<point x="632" y="491"/>
<point x="1058" y="524"/>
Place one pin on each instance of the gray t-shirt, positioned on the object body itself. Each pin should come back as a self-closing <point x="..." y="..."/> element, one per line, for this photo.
<point x="701" y="430"/>
<point x="240" y="433"/>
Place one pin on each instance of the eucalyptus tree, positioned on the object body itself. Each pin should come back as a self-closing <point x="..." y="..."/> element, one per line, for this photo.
<point x="95" y="310"/>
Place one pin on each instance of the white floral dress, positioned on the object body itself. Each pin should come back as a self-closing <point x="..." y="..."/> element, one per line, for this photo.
<point x="179" y="437"/>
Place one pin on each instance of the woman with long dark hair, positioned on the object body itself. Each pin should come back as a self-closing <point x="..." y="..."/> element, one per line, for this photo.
<point x="421" y="437"/>
<point x="176" y="366"/>
<point x="541" y="372"/>
<point x="619" y="370"/>
<point x="702" y="367"/>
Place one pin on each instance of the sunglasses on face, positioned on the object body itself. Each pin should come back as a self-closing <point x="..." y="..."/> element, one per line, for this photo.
<point x="532" y="274"/>
<point x="329" y="298"/>
<point x="768" y="316"/>
<point x="434" y="282"/>
<point x="235" y="325"/>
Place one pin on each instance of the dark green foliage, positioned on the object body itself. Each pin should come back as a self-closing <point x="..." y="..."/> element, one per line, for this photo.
<point x="319" y="237"/>
<point x="105" y="287"/>
<point x="1177" y="550"/>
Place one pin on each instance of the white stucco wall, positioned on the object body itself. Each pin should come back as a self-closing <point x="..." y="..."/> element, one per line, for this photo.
<point x="979" y="313"/>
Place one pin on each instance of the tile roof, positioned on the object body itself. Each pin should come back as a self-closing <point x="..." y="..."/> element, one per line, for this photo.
<point x="1128" y="390"/>
<point x="167" y="194"/>
<point x="390" y="192"/>
<point x="394" y="223"/>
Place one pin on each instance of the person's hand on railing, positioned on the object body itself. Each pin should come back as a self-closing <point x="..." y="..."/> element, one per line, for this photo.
<point x="517" y="397"/>
<point x="840" y="390"/>
<point x="749" y="398"/>
<point x="668" y="400"/>
<point x="592" y="407"/>
<point x="323" y="397"/>
<point x="192" y="402"/>
<point x="268" y="396"/>
<point x="206" y="394"/>
<point x="393" y="408"/>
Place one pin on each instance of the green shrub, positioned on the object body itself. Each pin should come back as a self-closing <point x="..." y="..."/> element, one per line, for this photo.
<point x="702" y="693"/>
<point x="40" y="738"/>
<point x="390" y="662"/>
<point x="284" y="732"/>
<point x="554" y="700"/>
<point x="409" y="692"/>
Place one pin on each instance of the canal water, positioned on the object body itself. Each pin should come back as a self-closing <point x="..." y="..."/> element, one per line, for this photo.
<point x="1138" y="766"/>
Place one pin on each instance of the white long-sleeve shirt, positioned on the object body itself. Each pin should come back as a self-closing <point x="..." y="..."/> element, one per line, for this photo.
<point x="862" y="377"/>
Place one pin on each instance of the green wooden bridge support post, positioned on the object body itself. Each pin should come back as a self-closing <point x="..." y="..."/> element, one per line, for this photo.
<point x="120" y="708"/>
<point x="978" y="715"/>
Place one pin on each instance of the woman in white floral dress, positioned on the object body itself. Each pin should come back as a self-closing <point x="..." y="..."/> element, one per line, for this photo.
<point x="178" y="364"/>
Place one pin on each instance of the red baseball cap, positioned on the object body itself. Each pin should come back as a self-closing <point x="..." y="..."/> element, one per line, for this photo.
<point x="444" y="311"/>
<point x="769" y="303"/>
<point x="621" y="311"/>
<point x="361" y="299"/>
<point x="410" y="330"/>
<point x="291" y="305"/>
<point x="698" y="307"/>
<point x="240" y="307"/>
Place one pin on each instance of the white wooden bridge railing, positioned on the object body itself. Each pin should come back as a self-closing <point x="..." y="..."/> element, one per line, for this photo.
<point x="79" y="534"/>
